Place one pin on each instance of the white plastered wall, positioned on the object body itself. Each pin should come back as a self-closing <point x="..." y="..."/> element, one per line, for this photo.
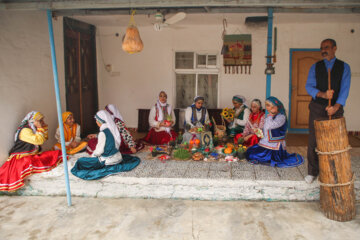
<point x="135" y="81"/>
<point x="26" y="73"/>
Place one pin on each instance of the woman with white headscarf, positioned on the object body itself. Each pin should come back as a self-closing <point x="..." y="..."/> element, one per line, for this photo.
<point x="237" y="124"/>
<point x="106" y="158"/>
<point x="128" y="145"/>
<point x="161" y="120"/>
<point x="26" y="157"/>
<point x="196" y="116"/>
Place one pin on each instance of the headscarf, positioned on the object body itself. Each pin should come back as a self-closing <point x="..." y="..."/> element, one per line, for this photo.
<point x="239" y="99"/>
<point x="197" y="98"/>
<point x="107" y="121"/>
<point x="276" y="102"/>
<point x="114" y="112"/>
<point x="160" y="105"/>
<point x="69" y="133"/>
<point x="28" y="121"/>
<point x="257" y="102"/>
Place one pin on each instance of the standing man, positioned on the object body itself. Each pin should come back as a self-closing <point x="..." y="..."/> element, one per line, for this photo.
<point x="317" y="87"/>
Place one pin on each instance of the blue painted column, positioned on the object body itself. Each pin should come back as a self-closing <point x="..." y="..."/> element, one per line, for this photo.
<point x="269" y="50"/>
<point x="58" y="105"/>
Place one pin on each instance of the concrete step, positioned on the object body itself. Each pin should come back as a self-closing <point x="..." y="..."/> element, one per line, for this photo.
<point x="189" y="180"/>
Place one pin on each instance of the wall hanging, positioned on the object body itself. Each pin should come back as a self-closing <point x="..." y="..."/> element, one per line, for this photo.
<point x="237" y="53"/>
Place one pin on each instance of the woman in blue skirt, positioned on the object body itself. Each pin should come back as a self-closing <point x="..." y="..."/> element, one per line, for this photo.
<point x="271" y="150"/>
<point x="106" y="158"/>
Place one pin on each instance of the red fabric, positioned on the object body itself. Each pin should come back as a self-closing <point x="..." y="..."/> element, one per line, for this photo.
<point x="256" y="117"/>
<point x="91" y="145"/>
<point x="159" y="138"/>
<point x="124" y="149"/>
<point x="250" y="142"/>
<point x="14" y="171"/>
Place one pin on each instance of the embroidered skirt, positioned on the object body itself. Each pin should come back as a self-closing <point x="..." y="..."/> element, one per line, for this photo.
<point x="274" y="158"/>
<point x="14" y="171"/>
<point x="159" y="138"/>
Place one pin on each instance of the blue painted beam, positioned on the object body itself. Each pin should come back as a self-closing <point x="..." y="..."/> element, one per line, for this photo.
<point x="269" y="50"/>
<point x="58" y="104"/>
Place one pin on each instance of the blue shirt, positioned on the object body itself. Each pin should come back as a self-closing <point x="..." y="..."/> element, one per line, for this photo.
<point x="344" y="85"/>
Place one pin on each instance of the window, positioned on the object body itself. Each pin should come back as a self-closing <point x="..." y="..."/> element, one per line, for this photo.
<point x="196" y="74"/>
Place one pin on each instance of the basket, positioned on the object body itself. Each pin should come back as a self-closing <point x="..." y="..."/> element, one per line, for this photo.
<point x="220" y="130"/>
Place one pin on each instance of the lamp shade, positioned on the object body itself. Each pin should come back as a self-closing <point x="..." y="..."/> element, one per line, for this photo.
<point x="132" y="42"/>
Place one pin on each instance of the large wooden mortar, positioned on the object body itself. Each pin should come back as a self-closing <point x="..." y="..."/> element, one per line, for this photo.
<point x="337" y="197"/>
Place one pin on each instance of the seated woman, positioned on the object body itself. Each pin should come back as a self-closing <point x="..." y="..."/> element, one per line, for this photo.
<point x="161" y="119"/>
<point x="25" y="157"/>
<point x="241" y="116"/>
<point x="106" y="158"/>
<point x="271" y="149"/>
<point x="128" y="145"/>
<point x="195" y="116"/>
<point x="251" y="134"/>
<point x="73" y="141"/>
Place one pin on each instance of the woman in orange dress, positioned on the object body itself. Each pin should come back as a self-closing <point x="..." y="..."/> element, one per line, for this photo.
<point x="72" y="131"/>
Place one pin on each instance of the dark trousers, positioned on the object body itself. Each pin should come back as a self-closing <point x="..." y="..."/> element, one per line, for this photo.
<point x="317" y="112"/>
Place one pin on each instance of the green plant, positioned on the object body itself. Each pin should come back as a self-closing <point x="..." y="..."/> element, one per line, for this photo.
<point x="182" y="154"/>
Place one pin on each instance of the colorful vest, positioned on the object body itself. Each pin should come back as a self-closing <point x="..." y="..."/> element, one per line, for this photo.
<point x="23" y="148"/>
<point x="194" y="119"/>
<point x="241" y="115"/>
<point x="110" y="148"/>
<point x="322" y="80"/>
<point x="165" y="112"/>
<point x="277" y="134"/>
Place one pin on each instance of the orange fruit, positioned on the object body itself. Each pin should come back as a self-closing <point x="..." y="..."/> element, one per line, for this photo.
<point x="228" y="150"/>
<point x="197" y="141"/>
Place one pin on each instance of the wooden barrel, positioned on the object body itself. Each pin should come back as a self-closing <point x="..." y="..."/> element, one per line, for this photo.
<point x="337" y="196"/>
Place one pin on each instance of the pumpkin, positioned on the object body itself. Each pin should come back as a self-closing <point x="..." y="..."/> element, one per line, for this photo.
<point x="132" y="42"/>
<point x="197" y="141"/>
<point x="192" y="142"/>
<point x="228" y="150"/>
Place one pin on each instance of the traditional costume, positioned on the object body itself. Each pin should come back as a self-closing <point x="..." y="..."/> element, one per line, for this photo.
<point x="195" y="117"/>
<point x="157" y="135"/>
<point x="25" y="158"/>
<point x="127" y="140"/>
<point x="106" y="158"/>
<point x="255" y="121"/>
<point x="271" y="150"/>
<point x="71" y="134"/>
<point x="241" y="116"/>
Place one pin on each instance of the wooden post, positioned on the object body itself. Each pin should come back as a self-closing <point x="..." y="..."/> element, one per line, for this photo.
<point x="337" y="197"/>
<point x="329" y="87"/>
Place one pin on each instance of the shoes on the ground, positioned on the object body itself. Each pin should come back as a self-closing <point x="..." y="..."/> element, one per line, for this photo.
<point x="309" y="179"/>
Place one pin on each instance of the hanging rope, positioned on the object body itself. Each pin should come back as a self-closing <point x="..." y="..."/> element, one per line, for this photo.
<point x="224" y="29"/>
<point x="332" y="152"/>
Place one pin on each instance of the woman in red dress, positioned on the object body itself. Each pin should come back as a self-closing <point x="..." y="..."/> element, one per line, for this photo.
<point x="26" y="157"/>
<point x="254" y="126"/>
<point x="161" y="119"/>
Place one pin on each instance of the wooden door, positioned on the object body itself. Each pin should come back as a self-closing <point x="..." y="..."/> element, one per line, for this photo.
<point x="80" y="73"/>
<point x="300" y="99"/>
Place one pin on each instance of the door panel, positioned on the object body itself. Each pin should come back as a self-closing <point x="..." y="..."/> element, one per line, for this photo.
<point x="300" y="99"/>
<point x="80" y="73"/>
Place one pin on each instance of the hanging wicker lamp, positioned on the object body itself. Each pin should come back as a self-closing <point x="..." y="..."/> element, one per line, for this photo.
<point x="132" y="42"/>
